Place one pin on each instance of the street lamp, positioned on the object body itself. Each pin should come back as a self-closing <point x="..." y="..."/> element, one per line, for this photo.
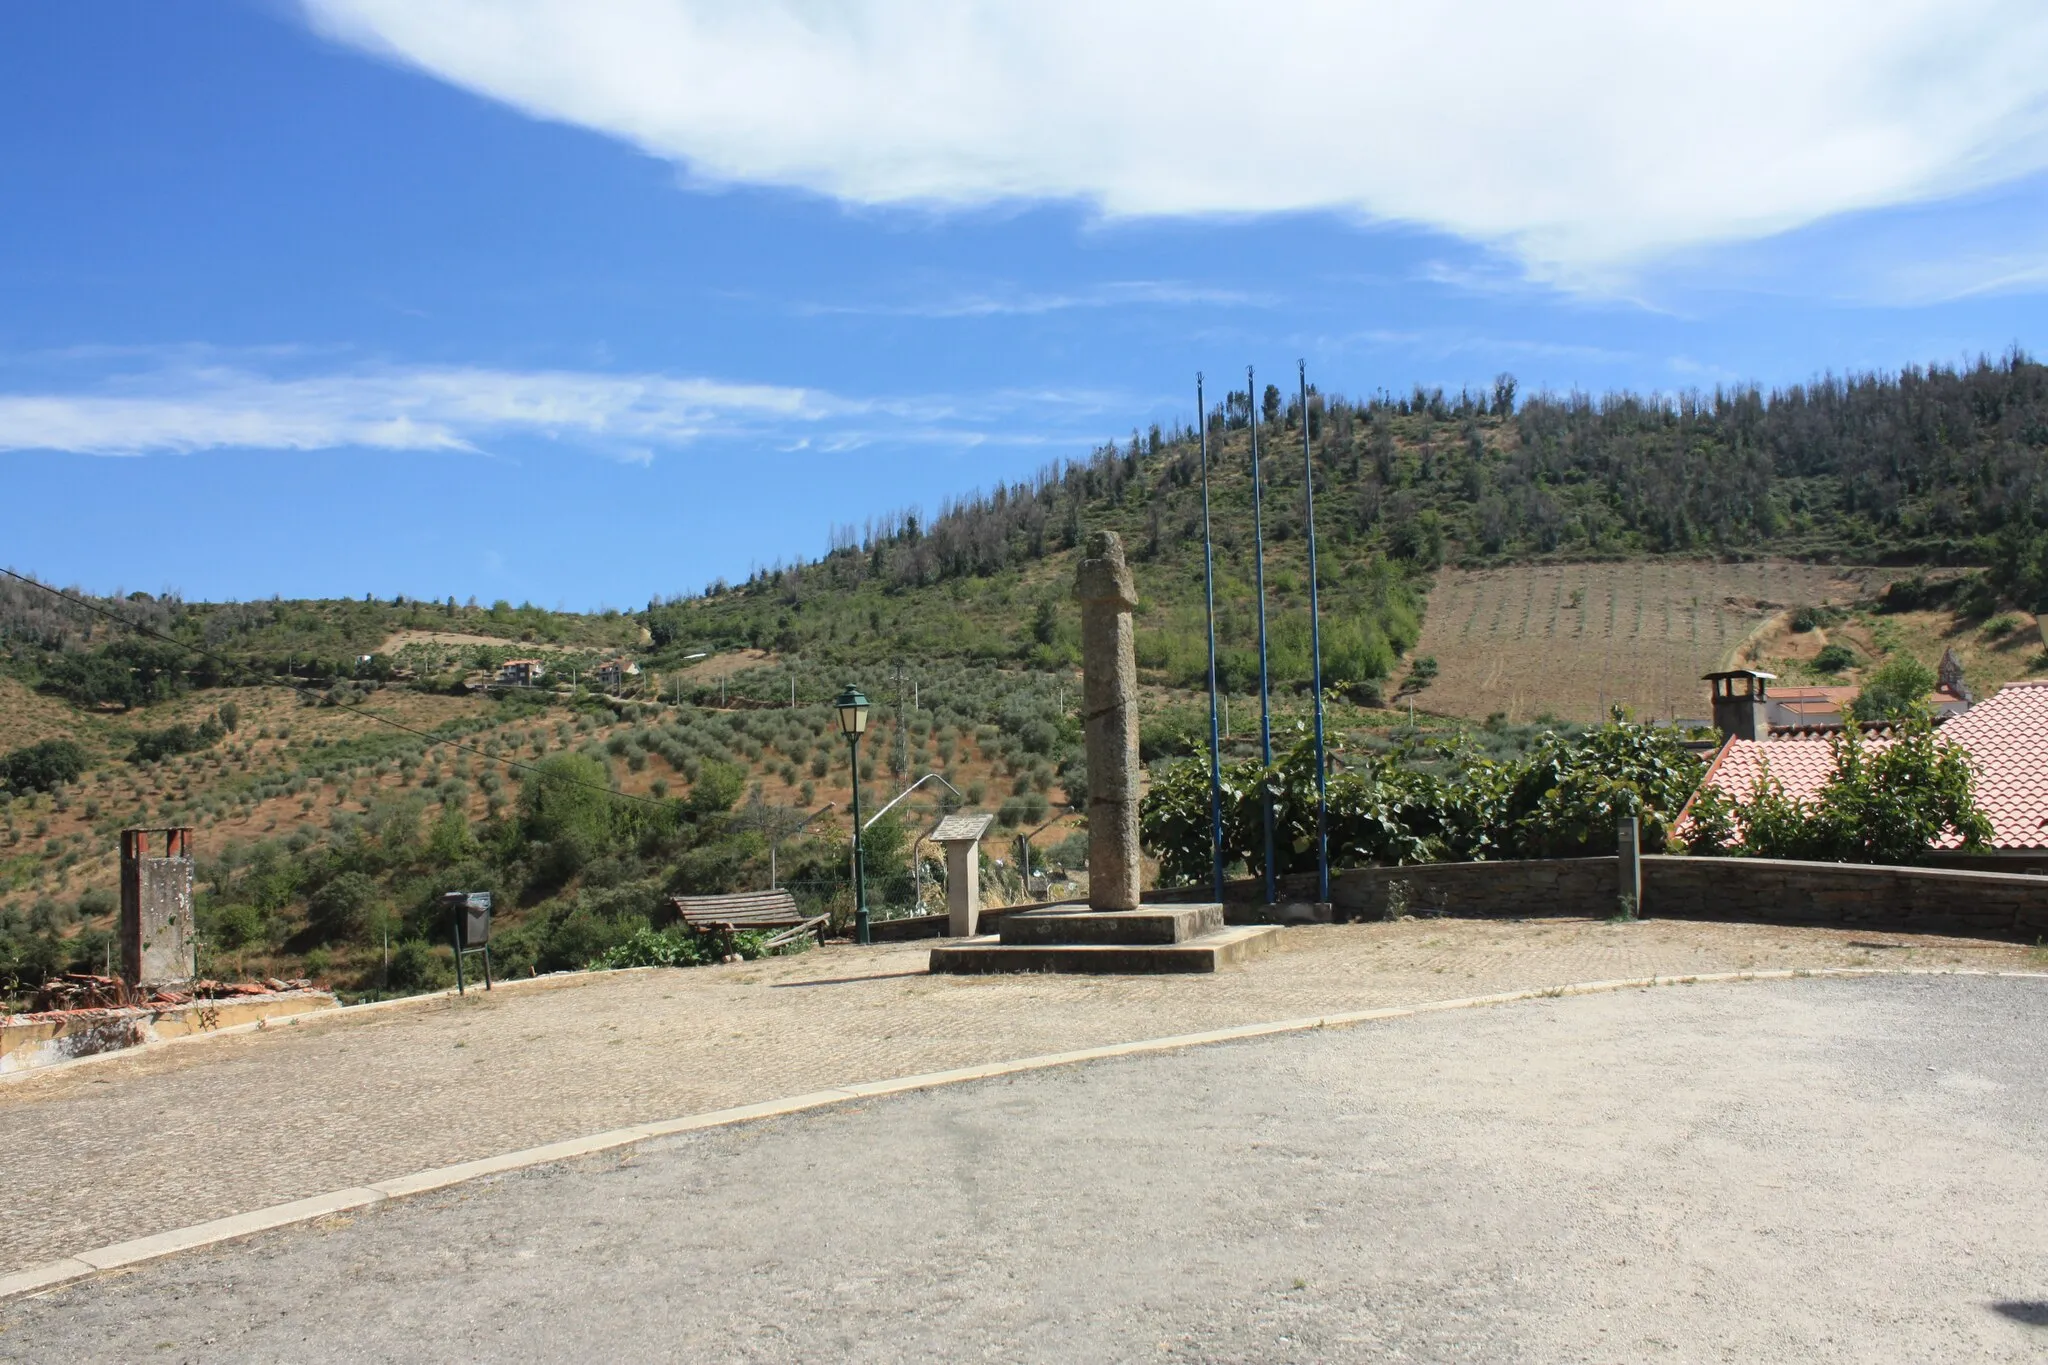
<point x="853" y="723"/>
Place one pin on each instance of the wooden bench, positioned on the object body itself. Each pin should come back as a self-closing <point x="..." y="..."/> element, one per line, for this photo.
<point x="749" y="911"/>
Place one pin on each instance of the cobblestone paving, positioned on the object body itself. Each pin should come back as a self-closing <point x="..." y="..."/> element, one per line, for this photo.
<point x="141" y="1144"/>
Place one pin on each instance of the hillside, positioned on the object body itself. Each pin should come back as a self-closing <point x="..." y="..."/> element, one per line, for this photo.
<point x="346" y="761"/>
<point x="1934" y="467"/>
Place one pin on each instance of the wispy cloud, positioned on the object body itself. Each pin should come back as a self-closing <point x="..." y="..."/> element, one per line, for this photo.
<point x="1029" y="303"/>
<point x="632" y="417"/>
<point x="1581" y="137"/>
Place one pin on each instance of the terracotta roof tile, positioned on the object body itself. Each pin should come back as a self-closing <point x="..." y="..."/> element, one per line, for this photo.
<point x="2006" y="735"/>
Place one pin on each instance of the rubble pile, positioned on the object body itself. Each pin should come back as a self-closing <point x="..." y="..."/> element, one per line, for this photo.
<point x="86" y="991"/>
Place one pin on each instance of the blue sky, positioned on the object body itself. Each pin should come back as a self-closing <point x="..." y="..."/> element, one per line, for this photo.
<point x="580" y="304"/>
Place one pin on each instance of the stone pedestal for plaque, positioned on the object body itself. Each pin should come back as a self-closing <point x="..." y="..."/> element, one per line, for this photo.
<point x="1114" y="931"/>
<point x="960" y="835"/>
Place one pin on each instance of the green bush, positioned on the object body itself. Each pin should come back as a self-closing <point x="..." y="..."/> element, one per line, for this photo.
<point x="568" y="797"/>
<point x="42" y="767"/>
<point x="1806" y="619"/>
<point x="151" y="745"/>
<point x="681" y="947"/>
<point x="1564" y="798"/>
<point x="1834" y="658"/>
<point x="1172" y="734"/>
<point x="340" y="910"/>
<point x="1896" y="691"/>
<point x="717" y="788"/>
<point x="231" y="927"/>
<point x="656" y="948"/>
<point x="573" y="940"/>
<point x="417" y="965"/>
<point x="1889" y="806"/>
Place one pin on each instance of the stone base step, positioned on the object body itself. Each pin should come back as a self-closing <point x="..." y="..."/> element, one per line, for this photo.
<point x="1146" y="926"/>
<point x="1205" y="954"/>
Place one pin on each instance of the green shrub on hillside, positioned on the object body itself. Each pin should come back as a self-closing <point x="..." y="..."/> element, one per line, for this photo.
<point x="42" y="766"/>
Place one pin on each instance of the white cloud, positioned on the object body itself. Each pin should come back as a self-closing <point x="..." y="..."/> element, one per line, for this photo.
<point x="1028" y="303"/>
<point x="1583" y="136"/>
<point x="447" y="409"/>
<point x="182" y="409"/>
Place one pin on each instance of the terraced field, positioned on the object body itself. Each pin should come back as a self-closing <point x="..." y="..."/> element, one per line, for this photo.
<point x="1570" y="640"/>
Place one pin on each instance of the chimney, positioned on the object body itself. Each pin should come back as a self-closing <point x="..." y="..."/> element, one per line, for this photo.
<point x="1741" y="706"/>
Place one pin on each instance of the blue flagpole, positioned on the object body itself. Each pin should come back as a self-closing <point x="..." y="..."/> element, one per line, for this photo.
<point x="1251" y="403"/>
<point x="1315" y="653"/>
<point x="1209" y="586"/>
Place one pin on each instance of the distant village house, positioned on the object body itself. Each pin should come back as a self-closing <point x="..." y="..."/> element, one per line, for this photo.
<point x="613" y="673"/>
<point x="1789" y="734"/>
<point x="521" y="672"/>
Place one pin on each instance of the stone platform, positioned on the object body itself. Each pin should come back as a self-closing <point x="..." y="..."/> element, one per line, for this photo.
<point x="1077" y="939"/>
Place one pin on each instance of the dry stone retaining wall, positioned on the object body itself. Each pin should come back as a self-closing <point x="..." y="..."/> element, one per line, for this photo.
<point x="1907" y="900"/>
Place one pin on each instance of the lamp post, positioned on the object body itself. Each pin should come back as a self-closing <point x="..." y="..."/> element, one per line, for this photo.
<point x="853" y="723"/>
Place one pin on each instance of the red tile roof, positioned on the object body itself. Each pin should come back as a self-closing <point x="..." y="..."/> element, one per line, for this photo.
<point x="2006" y="735"/>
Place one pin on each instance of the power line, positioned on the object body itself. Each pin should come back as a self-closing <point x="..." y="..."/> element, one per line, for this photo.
<point x="427" y="735"/>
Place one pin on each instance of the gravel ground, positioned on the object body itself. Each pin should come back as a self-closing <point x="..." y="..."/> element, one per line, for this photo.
<point x="141" y="1143"/>
<point x="1846" y="1169"/>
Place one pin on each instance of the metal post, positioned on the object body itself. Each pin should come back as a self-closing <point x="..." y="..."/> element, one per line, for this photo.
<point x="1265" y="693"/>
<point x="1209" y="588"/>
<point x="1629" y="841"/>
<point x="860" y="871"/>
<point x="1315" y="654"/>
<point x="461" y="988"/>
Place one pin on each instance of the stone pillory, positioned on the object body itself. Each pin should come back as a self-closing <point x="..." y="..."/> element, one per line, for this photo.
<point x="1113" y="932"/>
<point x="1109" y="670"/>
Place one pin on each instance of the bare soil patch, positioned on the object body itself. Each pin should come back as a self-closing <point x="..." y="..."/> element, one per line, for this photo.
<point x="1571" y="640"/>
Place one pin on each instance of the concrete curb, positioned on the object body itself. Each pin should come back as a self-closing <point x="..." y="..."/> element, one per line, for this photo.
<point x="51" y="1274"/>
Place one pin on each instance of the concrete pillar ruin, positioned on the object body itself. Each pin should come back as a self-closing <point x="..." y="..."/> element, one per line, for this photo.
<point x="158" y="937"/>
<point x="1109" y="700"/>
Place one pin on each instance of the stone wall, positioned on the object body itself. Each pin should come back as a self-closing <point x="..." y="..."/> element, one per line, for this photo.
<point x="1907" y="900"/>
<point x="1510" y="890"/>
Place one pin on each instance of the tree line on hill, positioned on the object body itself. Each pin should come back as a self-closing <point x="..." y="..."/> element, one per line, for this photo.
<point x="1941" y="465"/>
